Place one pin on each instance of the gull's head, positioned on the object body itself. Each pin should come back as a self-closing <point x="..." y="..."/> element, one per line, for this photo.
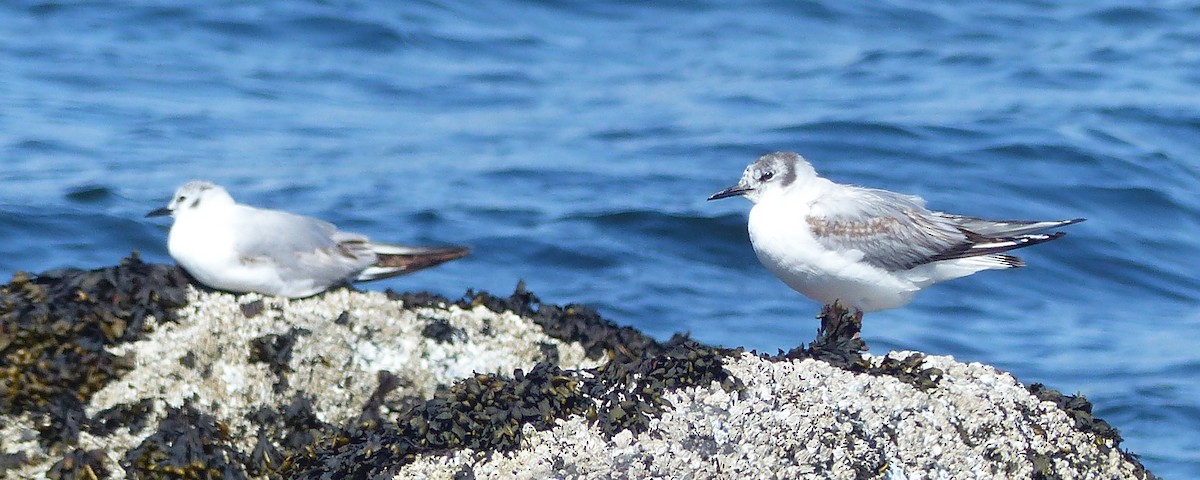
<point x="771" y="174"/>
<point x="193" y="196"/>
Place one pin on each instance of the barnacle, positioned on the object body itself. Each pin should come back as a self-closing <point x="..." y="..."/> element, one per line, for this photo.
<point x="489" y="412"/>
<point x="570" y="323"/>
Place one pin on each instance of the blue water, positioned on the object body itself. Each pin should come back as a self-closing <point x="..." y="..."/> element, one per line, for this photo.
<point x="573" y="145"/>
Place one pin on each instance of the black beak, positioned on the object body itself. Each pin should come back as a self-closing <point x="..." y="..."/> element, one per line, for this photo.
<point x="730" y="192"/>
<point x="160" y="212"/>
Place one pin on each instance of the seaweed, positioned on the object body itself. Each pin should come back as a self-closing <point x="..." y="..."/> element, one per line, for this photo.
<point x="188" y="444"/>
<point x="440" y="330"/>
<point x="275" y="350"/>
<point x="56" y="329"/>
<point x="630" y="393"/>
<point x="489" y="412"/>
<point x="1079" y="410"/>
<point x="283" y="430"/>
<point x="80" y="464"/>
<point x="838" y="343"/>
<point x="371" y="410"/>
<point x="570" y="323"/>
<point x="11" y="460"/>
<point x="252" y="309"/>
<point x="910" y="370"/>
<point x="1043" y="467"/>
<point x="133" y="416"/>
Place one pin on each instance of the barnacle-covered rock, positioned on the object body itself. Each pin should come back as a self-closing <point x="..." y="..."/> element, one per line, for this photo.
<point x="261" y="378"/>
<point x="838" y="343"/>
<point x="571" y="323"/>
<point x="128" y="373"/>
<point x="56" y="330"/>
<point x="188" y="443"/>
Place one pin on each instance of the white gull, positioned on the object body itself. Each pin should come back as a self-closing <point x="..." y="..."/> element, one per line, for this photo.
<point x="865" y="248"/>
<point x="239" y="248"/>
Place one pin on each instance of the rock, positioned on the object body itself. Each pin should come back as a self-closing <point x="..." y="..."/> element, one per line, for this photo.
<point x="806" y="418"/>
<point x="138" y="375"/>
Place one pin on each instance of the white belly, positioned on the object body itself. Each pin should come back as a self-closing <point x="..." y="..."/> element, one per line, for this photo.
<point x="785" y="245"/>
<point x="208" y="253"/>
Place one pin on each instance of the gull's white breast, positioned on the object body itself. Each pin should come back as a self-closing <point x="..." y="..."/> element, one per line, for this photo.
<point x="784" y="243"/>
<point x="204" y="244"/>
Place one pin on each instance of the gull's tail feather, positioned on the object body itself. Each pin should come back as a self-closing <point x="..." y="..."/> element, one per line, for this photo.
<point x="1005" y="228"/>
<point x="980" y="245"/>
<point x="961" y="267"/>
<point x="393" y="260"/>
<point x="995" y="261"/>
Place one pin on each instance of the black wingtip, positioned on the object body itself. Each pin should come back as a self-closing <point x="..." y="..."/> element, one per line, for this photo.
<point x="1012" y="261"/>
<point x="1035" y="239"/>
<point x="428" y="257"/>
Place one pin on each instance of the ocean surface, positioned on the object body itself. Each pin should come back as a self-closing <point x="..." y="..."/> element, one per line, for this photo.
<point x="573" y="145"/>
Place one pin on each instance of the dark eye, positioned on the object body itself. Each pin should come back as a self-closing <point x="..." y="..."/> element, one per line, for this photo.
<point x="181" y="198"/>
<point x="767" y="175"/>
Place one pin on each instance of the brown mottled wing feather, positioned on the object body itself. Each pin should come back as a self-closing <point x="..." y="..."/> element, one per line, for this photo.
<point x="892" y="231"/>
<point x="896" y="232"/>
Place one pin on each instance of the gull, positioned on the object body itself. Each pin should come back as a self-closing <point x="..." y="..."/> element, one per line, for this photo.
<point x="238" y="248"/>
<point x="865" y="248"/>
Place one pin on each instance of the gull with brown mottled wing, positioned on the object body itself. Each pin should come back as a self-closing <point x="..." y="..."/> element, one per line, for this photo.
<point x="865" y="248"/>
